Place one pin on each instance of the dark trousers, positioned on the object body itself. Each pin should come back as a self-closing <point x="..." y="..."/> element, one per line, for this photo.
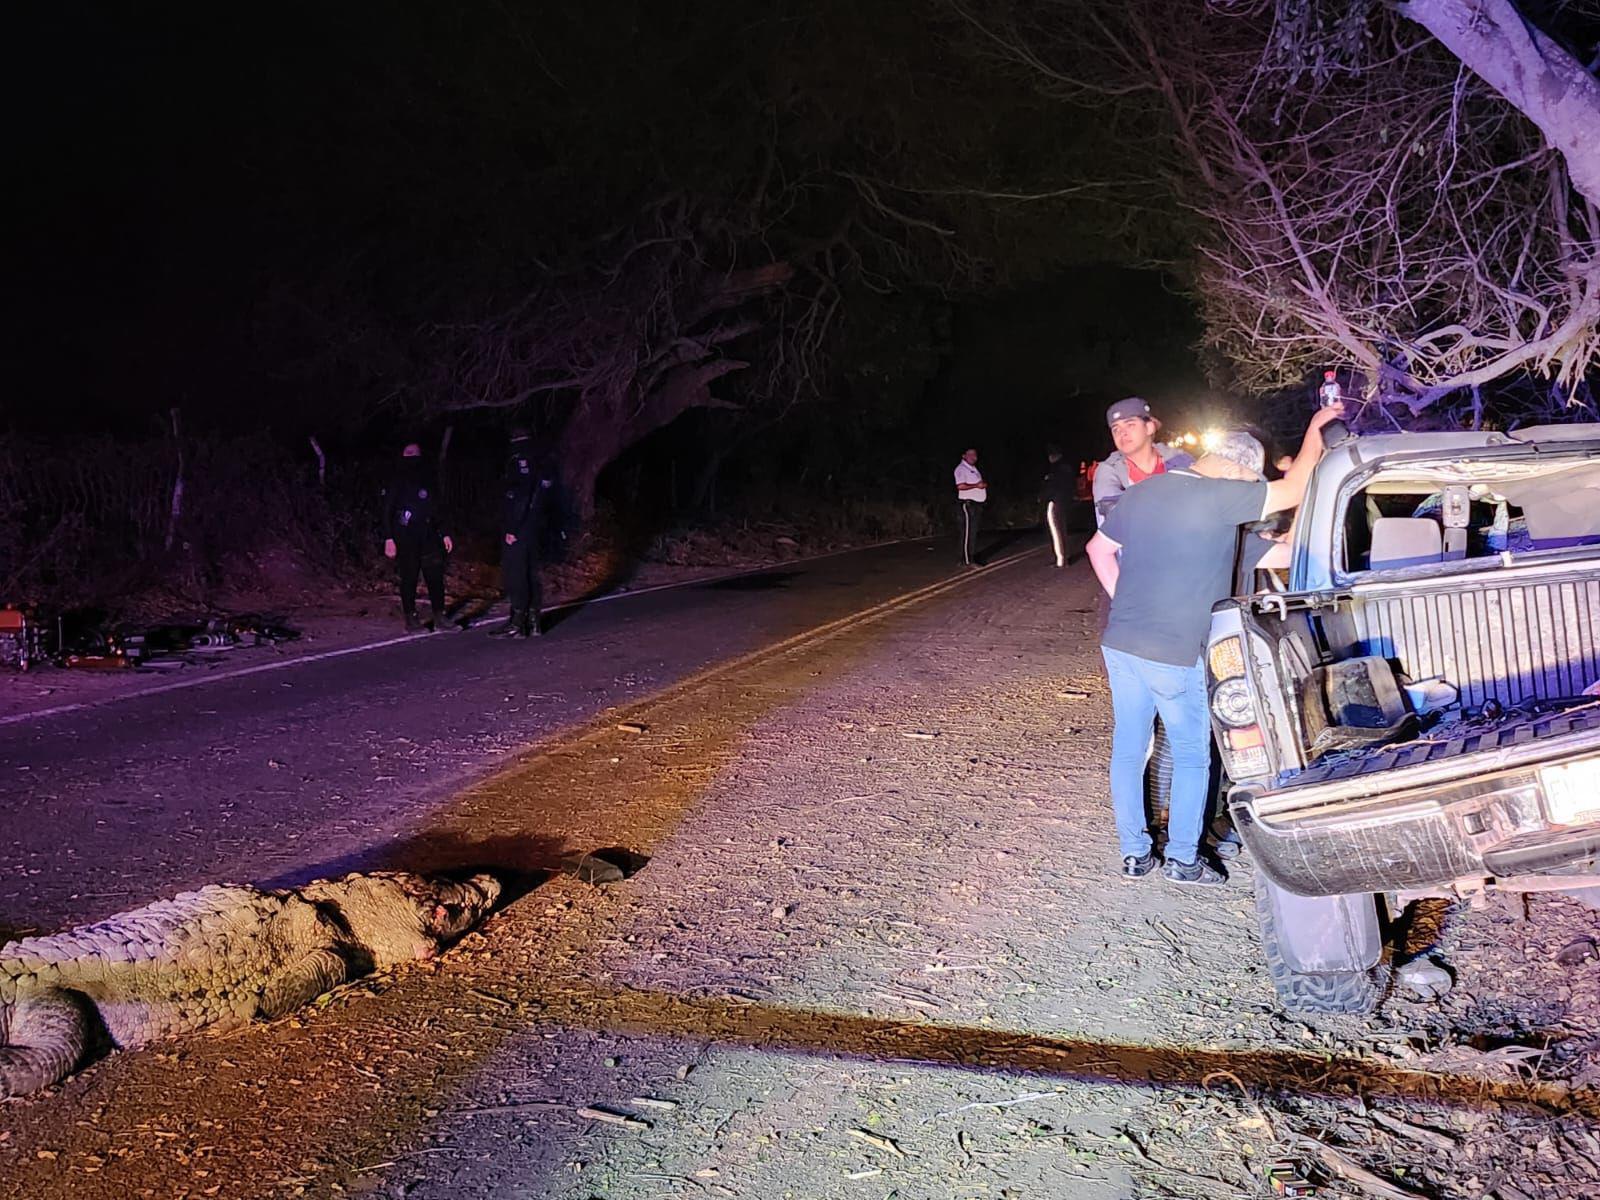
<point x="413" y="556"/>
<point x="971" y="525"/>
<point x="519" y="569"/>
<point x="1055" y="519"/>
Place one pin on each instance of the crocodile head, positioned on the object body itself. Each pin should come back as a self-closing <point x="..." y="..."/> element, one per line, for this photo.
<point x="397" y="917"/>
<point x="458" y="906"/>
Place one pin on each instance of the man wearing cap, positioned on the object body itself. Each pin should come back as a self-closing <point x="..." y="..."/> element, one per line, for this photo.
<point x="1137" y="457"/>
<point x="1165" y="555"/>
<point x="971" y="494"/>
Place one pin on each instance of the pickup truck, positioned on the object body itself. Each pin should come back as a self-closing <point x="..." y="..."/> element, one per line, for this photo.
<point x="1414" y="710"/>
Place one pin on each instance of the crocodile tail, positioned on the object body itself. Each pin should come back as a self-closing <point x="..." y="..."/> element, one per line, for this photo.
<point x="46" y="1040"/>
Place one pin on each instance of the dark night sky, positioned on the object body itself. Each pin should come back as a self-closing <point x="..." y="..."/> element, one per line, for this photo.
<point x="1042" y="363"/>
<point x="247" y="210"/>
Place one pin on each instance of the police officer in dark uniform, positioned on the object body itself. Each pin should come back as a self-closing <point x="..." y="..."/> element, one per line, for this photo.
<point x="414" y="536"/>
<point x="527" y="488"/>
<point x="1057" y="493"/>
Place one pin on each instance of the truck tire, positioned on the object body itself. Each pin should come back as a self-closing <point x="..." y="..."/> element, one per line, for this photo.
<point x="1158" y="779"/>
<point x="1325" y="991"/>
<point x="1158" y="787"/>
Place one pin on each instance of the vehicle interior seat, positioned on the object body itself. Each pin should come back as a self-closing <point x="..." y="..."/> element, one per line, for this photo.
<point x="1405" y="542"/>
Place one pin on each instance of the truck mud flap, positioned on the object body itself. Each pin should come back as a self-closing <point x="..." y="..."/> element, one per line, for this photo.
<point x="1325" y="933"/>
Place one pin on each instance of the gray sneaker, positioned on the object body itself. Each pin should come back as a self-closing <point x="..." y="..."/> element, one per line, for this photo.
<point x="1137" y="866"/>
<point x="1197" y="873"/>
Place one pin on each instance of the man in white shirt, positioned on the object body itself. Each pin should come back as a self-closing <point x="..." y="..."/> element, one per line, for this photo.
<point x="971" y="493"/>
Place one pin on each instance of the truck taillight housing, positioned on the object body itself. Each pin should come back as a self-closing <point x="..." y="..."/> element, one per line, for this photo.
<point x="1226" y="659"/>
<point x="1247" y="752"/>
<point x="1233" y="707"/>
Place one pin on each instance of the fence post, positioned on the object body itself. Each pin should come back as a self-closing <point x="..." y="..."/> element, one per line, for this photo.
<point x="176" y="510"/>
<point x="322" y="460"/>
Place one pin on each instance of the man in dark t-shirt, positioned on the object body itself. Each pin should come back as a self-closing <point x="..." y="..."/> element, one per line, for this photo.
<point x="1165" y="555"/>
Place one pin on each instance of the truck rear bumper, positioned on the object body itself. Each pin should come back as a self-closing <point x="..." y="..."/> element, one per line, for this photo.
<point x="1315" y="842"/>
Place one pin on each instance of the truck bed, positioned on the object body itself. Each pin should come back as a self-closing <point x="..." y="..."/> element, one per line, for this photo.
<point x="1449" y="739"/>
<point x="1535" y="635"/>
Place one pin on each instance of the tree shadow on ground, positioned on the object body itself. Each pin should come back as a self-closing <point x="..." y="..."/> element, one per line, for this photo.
<point x="754" y="581"/>
<point x="1259" y="1072"/>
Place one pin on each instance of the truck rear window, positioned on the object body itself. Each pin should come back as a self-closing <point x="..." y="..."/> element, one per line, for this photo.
<point x="1456" y="512"/>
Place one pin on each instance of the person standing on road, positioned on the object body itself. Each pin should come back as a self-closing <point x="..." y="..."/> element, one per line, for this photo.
<point x="971" y="494"/>
<point x="414" y="537"/>
<point x="1165" y="556"/>
<point x="528" y="480"/>
<point x="1060" y="488"/>
<point x="1137" y="457"/>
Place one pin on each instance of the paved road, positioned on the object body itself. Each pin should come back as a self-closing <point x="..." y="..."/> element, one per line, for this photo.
<point x="290" y="774"/>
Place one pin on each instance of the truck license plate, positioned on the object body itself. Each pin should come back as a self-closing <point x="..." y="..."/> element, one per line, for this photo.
<point x="1572" y="791"/>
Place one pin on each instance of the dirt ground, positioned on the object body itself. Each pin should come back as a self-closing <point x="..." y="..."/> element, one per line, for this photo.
<point x="878" y="949"/>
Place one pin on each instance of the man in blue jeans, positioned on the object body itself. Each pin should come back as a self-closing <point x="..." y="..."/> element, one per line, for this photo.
<point x="1177" y="534"/>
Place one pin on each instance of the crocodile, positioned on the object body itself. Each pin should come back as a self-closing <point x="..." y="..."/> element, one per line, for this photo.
<point x="217" y="958"/>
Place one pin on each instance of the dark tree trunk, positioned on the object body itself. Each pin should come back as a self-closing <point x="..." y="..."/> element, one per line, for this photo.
<point x="597" y="434"/>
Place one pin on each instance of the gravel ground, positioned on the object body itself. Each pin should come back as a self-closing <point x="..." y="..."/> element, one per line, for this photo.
<point x="879" y="949"/>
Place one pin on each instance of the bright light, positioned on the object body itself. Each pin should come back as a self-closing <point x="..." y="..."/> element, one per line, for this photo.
<point x="1211" y="438"/>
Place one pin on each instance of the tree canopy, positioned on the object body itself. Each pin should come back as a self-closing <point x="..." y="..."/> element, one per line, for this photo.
<point x="364" y="216"/>
<point x="1414" y="203"/>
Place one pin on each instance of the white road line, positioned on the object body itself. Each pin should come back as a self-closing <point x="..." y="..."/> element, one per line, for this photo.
<point x="200" y="681"/>
<point x="322" y="656"/>
<point x="804" y="639"/>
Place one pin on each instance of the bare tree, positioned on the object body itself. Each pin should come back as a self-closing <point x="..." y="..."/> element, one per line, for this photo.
<point x="1400" y="217"/>
<point x="614" y="347"/>
<point x="1537" y="75"/>
<point x="1357" y="195"/>
<point x="691" y="306"/>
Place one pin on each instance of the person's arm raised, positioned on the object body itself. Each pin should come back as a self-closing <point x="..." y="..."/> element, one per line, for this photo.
<point x="1291" y="489"/>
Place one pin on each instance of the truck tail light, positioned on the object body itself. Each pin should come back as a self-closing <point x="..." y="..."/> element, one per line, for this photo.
<point x="1226" y="659"/>
<point x="1233" y="707"/>
<point x="1247" y="752"/>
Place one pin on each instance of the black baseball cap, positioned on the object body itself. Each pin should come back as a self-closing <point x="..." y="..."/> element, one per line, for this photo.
<point x="1128" y="409"/>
